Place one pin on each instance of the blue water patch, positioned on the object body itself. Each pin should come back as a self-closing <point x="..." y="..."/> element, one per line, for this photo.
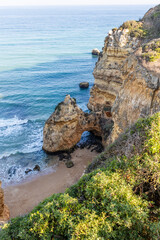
<point x="45" y="54"/>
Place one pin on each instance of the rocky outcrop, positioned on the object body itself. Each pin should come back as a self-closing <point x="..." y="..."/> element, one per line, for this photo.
<point x="4" y="211"/>
<point x="124" y="81"/>
<point x="65" y="126"/>
<point x="108" y="73"/>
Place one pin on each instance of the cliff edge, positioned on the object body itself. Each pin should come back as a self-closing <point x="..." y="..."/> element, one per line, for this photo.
<point x="128" y="72"/>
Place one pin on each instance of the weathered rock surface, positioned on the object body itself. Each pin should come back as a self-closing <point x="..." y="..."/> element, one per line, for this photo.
<point x="124" y="82"/>
<point x="139" y="96"/>
<point x="65" y="126"/>
<point x="152" y="21"/>
<point x="108" y="71"/>
<point x="84" y="85"/>
<point x="4" y="211"/>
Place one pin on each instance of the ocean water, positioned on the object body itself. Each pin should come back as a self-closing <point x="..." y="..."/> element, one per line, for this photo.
<point x="45" y="52"/>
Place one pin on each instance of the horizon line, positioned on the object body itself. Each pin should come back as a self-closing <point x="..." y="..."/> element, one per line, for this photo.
<point x="69" y="5"/>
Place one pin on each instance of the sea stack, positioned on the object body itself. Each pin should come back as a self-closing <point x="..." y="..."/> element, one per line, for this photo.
<point x="65" y="126"/>
<point x="63" y="129"/>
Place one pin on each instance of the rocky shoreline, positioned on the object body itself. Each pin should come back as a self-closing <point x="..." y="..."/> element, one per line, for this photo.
<point x="126" y="88"/>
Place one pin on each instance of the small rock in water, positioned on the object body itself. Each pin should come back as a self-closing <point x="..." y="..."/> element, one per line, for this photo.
<point x="37" y="168"/>
<point x="84" y="85"/>
<point x="69" y="164"/>
<point x="95" y="52"/>
<point x="12" y="171"/>
<point x="28" y="170"/>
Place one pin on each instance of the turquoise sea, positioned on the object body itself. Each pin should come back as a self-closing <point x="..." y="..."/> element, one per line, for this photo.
<point x="45" y="52"/>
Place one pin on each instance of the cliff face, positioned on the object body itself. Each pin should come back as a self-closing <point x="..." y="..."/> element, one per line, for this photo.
<point x="138" y="97"/>
<point x="4" y="211"/>
<point x="152" y="21"/>
<point x="108" y="71"/>
<point x="124" y="80"/>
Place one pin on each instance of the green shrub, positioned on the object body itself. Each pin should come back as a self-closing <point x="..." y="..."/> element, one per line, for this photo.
<point x="135" y="29"/>
<point x="120" y="201"/>
<point x="151" y="51"/>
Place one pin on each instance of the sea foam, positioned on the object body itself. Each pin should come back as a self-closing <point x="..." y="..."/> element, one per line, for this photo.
<point x="12" y="122"/>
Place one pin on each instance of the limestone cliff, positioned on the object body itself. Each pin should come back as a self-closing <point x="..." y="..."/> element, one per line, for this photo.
<point x="4" y="211"/>
<point x="108" y="71"/>
<point x="124" y="80"/>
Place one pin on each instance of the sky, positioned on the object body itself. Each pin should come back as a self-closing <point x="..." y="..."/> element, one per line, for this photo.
<point x="74" y="2"/>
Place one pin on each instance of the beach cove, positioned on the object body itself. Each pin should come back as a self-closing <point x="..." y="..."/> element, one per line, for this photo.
<point x="31" y="89"/>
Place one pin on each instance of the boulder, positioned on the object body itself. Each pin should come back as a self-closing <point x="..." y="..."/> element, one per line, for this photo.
<point x="37" y="168"/>
<point x="95" y="52"/>
<point x="69" y="164"/>
<point x="63" y="156"/>
<point x="28" y="170"/>
<point x="84" y="85"/>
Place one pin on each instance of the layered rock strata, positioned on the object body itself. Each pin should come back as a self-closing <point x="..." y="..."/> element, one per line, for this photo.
<point x="4" y="211"/>
<point x="139" y="96"/>
<point x="124" y="81"/>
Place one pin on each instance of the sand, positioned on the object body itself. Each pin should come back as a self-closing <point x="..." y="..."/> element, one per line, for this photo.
<point x="23" y="197"/>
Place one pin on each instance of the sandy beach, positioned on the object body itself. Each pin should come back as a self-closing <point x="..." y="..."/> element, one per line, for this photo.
<point x="22" y="198"/>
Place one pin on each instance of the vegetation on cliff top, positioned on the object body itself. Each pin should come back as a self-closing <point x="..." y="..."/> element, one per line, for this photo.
<point x="151" y="48"/>
<point x="135" y="28"/>
<point x="151" y="51"/>
<point x="147" y="29"/>
<point x="119" y="198"/>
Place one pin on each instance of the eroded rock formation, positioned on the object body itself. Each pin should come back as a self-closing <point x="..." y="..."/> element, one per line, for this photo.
<point x="65" y="126"/>
<point x="126" y="87"/>
<point x="4" y="211"/>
